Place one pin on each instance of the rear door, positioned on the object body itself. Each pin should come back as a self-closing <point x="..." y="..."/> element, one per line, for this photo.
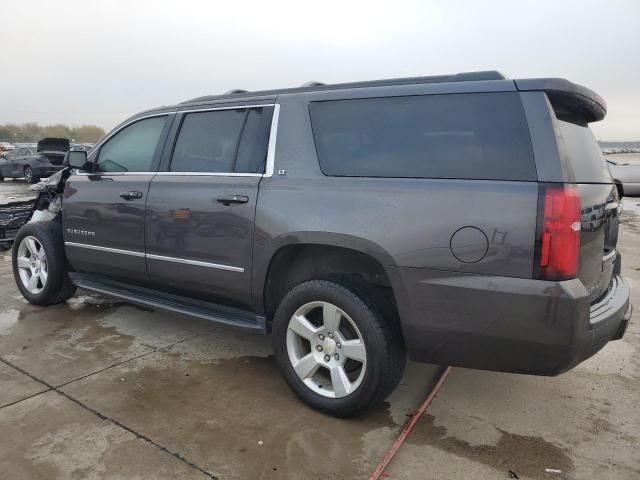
<point x="201" y="205"/>
<point x="598" y="203"/>
<point x="104" y="211"/>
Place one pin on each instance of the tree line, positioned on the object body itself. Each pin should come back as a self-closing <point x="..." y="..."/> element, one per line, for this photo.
<point x="31" y="132"/>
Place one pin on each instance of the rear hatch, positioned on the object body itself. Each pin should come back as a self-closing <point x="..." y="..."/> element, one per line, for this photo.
<point x="580" y="219"/>
<point x="598" y="205"/>
<point x="54" y="149"/>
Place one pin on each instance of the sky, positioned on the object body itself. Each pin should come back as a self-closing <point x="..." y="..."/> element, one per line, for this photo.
<point x="98" y="62"/>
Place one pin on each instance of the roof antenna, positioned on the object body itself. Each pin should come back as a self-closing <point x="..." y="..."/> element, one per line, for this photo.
<point x="311" y="83"/>
<point x="235" y="90"/>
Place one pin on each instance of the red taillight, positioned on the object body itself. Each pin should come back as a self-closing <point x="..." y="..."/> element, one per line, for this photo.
<point x="560" y="232"/>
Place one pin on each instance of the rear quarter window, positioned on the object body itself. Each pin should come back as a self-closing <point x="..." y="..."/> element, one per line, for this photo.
<point x="458" y="136"/>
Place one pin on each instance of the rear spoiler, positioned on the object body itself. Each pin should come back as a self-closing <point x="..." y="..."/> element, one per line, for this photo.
<point x="571" y="102"/>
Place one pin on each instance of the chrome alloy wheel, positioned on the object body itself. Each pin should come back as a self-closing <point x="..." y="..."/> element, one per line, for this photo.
<point x="32" y="264"/>
<point x="326" y="349"/>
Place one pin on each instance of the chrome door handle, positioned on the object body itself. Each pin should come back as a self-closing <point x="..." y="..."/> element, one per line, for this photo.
<point x="131" y="195"/>
<point x="229" y="199"/>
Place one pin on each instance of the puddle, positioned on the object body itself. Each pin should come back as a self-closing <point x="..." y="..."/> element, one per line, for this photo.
<point x="237" y="418"/>
<point x="7" y="320"/>
<point x="79" y="302"/>
<point x="527" y="456"/>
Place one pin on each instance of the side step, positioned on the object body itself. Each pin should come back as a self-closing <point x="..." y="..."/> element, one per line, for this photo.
<point x="155" y="299"/>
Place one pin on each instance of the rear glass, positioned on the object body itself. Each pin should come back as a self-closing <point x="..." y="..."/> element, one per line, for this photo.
<point x="467" y="136"/>
<point x="584" y="155"/>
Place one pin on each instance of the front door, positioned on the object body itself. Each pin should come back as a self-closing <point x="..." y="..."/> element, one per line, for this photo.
<point x="104" y="210"/>
<point x="201" y="205"/>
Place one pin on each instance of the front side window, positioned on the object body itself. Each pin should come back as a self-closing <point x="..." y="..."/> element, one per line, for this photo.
<point x="458" y="136"/>
<point x="133" y="148"/>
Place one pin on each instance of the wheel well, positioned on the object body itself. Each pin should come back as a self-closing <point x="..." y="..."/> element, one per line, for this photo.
<point x="295" y="264"/>
<point x="619" y="187"/>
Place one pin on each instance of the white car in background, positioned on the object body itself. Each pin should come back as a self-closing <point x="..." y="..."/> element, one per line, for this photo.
<point x="626" y="176"/>
<point x="5" y="147"/>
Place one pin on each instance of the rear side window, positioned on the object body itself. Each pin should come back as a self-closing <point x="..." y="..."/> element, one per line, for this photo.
<point x="207" y="141"/>
<point x="223" y="141"/>
<point x="583" y="153"/>
<point x="466" y="136"/>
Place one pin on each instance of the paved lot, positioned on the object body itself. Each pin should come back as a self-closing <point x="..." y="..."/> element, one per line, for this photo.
<point x="98" y="389"/>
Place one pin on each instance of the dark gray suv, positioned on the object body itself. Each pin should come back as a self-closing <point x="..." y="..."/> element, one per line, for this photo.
<point x="463" y="220"/>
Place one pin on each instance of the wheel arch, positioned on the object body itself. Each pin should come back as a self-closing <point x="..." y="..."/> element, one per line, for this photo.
<point x="305" y="255"/>
<point x="619" y="187"/>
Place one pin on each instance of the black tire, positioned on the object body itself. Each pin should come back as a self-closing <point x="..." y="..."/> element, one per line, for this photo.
<point x="58" y="287"/>
<point x="382" y="337"/>
<point x="29" y="175"/>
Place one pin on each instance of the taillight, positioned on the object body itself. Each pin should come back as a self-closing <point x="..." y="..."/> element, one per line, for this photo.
<point x="560" y="240"/>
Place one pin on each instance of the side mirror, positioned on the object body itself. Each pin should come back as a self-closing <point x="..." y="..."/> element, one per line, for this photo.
<point x="75" y="159"/>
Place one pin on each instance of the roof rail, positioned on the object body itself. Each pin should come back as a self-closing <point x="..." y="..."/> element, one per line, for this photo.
<point x="235" y="90"/>
<point x="319" y="86"/>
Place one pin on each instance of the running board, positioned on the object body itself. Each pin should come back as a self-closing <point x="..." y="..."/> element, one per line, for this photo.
<point x="155" y="299"/>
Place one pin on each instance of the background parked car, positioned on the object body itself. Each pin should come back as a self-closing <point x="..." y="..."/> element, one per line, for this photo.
<point x="33" y="164"/>
<point x="626" y="176"/>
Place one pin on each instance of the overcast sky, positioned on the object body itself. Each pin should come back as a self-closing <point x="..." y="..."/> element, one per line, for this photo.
<point x="90" y="61"/>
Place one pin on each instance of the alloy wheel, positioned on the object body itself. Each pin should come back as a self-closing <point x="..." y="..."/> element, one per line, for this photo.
<point x="32" y="265"/>
<point x="326" y="349"/>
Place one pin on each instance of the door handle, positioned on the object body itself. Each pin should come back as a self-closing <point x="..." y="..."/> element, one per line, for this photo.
<point x="229" y="199"/>
<point x="131" y="195"/>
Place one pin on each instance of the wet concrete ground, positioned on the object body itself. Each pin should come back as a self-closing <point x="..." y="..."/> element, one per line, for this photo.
<point x="95" y="388"/>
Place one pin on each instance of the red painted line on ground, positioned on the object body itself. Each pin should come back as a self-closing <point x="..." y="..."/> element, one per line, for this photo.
<point x="386" y="460"/>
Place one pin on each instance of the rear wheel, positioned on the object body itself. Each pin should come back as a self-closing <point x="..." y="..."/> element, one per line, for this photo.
<point x="335" y="348"/>
<point x="39" y="265"/>
<point x="29" y="176"/>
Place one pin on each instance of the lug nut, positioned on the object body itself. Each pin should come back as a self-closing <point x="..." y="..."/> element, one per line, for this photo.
<point x="336" y="356"/>
<point x="327" y="358"/>
<point x="338" y="344"/>
<point x="330" y="335"/>
<point x="319" y="348"/>
<point x="321" y="337"/>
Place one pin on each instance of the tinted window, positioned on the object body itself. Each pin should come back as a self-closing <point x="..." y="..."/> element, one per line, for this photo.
<point x="471" y="136"/>
<point x="584" y="154"/>
<point x="208" y="141"/>
<point x="132" y="149"/>
<point x="252" y="153"/>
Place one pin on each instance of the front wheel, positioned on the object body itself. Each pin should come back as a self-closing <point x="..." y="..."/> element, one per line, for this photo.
<point x="39" y="265"/>
<point x="334" y="347"/>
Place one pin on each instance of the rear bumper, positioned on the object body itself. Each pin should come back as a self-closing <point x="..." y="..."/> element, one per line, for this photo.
<point x="505" y="324"/>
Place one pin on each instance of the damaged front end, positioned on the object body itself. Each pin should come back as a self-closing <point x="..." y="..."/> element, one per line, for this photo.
<point x="46" y="206"/>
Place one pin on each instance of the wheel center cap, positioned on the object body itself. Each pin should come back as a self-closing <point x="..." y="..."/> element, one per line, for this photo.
<point x="329" y="346"/>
